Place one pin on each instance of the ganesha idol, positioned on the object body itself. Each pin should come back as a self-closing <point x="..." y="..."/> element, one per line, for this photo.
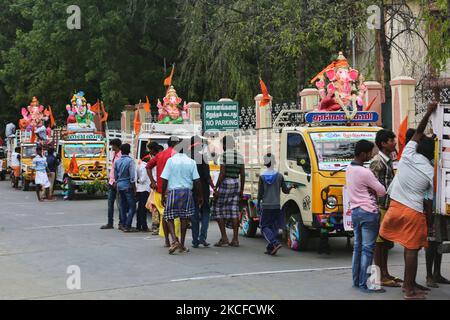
<point x="80" y="115"/>
<point x="341" y="88"/>
<point x="170" y="111"/>
<point x="33" y="119"/>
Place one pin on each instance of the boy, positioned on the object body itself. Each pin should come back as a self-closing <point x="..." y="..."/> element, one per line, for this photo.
<point x="41" y="179"/>
<point x="15" y="165"/>
<point x="270" y="184"/>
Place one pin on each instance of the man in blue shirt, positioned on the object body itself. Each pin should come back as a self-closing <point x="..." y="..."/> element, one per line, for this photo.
<point x="125" y="182"/>
<point x="179" y="177"/>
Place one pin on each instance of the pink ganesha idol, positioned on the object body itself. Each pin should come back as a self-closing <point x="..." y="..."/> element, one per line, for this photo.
<point x="170" y="111"/>
<point x="341" y="88"/>
<point x="33" y="119"/>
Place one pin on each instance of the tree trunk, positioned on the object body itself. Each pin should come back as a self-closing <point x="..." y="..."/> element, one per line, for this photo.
<point x="386" y="75"/>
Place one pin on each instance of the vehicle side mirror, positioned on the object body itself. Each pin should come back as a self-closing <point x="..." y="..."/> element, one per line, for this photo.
<point x="304" y="163"/>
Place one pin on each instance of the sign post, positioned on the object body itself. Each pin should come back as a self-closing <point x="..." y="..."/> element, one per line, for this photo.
<point x="220" y="116"/>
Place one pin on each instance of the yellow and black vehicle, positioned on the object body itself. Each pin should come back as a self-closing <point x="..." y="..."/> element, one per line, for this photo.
<point x="27" y="153"/>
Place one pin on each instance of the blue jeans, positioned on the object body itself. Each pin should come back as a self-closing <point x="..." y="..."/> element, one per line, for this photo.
<point x="201" y="216"/>
<point x="112" y="196"/>
<point x="365" y="228"/>
<point x="269" y="224"/>
<point x="128" y="205"/>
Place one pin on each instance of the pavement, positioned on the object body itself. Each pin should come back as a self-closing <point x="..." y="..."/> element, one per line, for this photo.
<point x="41" y="244"/>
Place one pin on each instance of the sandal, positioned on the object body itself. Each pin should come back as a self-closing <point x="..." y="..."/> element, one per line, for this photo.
<point x="398" y="280"/>
<point x="234" y="244"/>
<point x="174" y="247"/>
<point x="221" y="243"/>
<point x="183" y="249"/>
<point x="414" y="296"/>
<point x="390" y="283"/>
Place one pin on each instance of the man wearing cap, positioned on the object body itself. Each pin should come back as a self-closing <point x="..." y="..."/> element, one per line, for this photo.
<point x="159" y="161"/>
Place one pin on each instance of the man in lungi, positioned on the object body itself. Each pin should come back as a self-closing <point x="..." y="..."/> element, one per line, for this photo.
<point x="179" y="178"/>
<point x="41" y="178"/>
<point x="229" y="191"/>
<point x="406" y="220"/>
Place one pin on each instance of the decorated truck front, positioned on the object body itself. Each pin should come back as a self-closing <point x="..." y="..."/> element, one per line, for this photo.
<point x="83" y="161"/>
<point x="27" y="153"/>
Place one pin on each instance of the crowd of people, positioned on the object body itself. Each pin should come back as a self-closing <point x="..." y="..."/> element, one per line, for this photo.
<point x="390" y="208"/>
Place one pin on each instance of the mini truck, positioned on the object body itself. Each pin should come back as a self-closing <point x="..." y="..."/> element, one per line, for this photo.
<point x="313" y="158"/>
<point x="89" y="151"/>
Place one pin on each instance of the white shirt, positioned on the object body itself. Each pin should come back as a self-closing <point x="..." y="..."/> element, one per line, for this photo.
<point x="15" y="162"/>
<point x="414" y="179"/>
<point x="142" y="179"/>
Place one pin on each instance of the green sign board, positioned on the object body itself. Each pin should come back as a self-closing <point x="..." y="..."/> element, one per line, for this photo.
<point x="220" y="116"/>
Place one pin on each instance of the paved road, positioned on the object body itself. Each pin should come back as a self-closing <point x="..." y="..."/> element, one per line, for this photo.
<point x="39" y="241"/>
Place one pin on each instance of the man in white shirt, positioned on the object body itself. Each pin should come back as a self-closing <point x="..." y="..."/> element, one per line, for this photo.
<point x="15" y="165"/>
<point x="142" y="194"/>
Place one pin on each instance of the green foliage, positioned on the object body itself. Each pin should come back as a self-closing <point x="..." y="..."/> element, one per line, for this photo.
<point x="97" y="186"/>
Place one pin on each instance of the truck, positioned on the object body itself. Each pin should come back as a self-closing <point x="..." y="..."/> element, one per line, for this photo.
<point x="313" y="157"/>
<point x="88" y="150"/>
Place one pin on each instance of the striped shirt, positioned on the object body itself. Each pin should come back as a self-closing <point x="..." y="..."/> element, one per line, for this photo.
<point x="233" y="162"/>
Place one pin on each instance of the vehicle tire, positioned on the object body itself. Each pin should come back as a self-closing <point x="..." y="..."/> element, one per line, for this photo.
<point x="249" y="227"/>
<point x="297" y="234"/>
<point x="71" y="190"/>
<point x="25" y="185"/>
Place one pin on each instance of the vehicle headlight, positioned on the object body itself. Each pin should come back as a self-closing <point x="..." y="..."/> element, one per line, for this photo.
<point x="332" y="202"/>
<point x="83" y="169"/>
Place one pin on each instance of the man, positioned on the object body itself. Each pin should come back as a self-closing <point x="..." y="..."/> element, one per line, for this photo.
<point x="383" y="169"/>
<point x="178" y="179"/>
<point x="406" y="220"/>
<point x="202" y="213"/>
<point x="41" y="178"/>
<point x="112" y="192"/>
<point x="271" y="182"/>
<point x="125" y="177"/>
<point x="15" y="165"/>
<point x="229" y="191"/>
<point x="52" y="163"/>
<point x="363" y="188"/>
<point x="142" y="194"/>
<point x="159" y="161"/>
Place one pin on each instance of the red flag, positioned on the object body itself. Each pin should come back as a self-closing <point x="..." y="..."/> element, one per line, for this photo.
<point x="96" y="107"/>
<point x="73" y="167"/>
<point x="168" y="80"/>
<point x="33" y="136"/>
<point x="147" y="105"/>
<point x="105" y="114"/>
<point x="266" y="98"/>
<point x="402" y="136"/>
<point x="137" y="122"/>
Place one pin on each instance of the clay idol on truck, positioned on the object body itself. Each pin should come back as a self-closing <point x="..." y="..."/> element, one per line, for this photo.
<point x="313" y="149"/>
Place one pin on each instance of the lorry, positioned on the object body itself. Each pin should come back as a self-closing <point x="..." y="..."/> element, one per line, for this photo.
<point x="313" y="157"/>
<point x="87" y="151"/>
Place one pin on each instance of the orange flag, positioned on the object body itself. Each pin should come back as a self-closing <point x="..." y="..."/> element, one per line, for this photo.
<point x="402" y="136"/>
<point x="52" y="118"/>
<point x="105" y="114"/>
<point x="73" y="167"/>
<point x="168" y="80"/>
<point x="147" y="105"/>
<point x="266" y="98"/>
<point x="33" y="136"/>
<point x="137" y="122"/>
<point x="96" y="107"/>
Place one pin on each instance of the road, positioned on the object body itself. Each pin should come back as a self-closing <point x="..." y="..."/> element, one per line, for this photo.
<point x="39" y="241"/>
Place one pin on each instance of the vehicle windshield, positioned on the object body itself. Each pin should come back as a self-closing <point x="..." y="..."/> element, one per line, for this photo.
<point x="81" y="150"/>
<point x="28" y="151"/>
<point x="143" y="145"/>
<point x="335" y="150"/>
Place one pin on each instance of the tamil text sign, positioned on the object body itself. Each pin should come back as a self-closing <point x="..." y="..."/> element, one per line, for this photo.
<point x="220" y="116"/>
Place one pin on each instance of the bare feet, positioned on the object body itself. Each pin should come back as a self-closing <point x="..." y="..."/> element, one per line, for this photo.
<point x="431" y="283"/>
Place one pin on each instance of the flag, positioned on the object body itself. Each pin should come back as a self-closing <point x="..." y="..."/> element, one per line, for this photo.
<point x="137" y="122"/>
<point x="266" y="98"/>
<point x="105" y="114"/>
<point x="168" y="80"/>
<point x="402" y="136"/>
<point x="52" y="118"/>
<point x="371" y="103"/>
<point x="96" y="107"/>
<point x="33" y="135"/>
<point x="147" y="105"/>
<point x="73" y="167"/>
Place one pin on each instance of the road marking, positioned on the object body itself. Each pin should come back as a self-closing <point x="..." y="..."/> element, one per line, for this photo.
<point x="260" y="273"/>
<point x="64" y="226"/>
<point x="54" y="213"/>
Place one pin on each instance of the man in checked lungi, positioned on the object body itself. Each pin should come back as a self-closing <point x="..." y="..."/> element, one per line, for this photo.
<point x="179" y="178"/>
<point x="229" y="191"/>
